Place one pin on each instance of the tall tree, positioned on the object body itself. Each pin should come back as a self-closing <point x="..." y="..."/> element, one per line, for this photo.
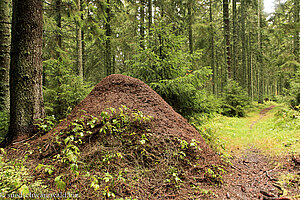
<point x="259" y="59"/>
<point x="58" y="26"/>
<point x="243" y="38"/>
<point x="296" y="34"/>
<point x="79" y="41"/>
<point x="108" y="64"/>
<point x="227" y="36"/>
<point x="26" y="97"/>
<point x="190" y="23"/>
<point x="212" y="42"/>
<point x="4" y="54"/>
<point x="142" y="24"/>
<point x="234" y="39"/>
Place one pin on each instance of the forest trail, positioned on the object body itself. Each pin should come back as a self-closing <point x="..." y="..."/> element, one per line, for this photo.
<point x="262" y="113"/>
<point x="254" y="174"/>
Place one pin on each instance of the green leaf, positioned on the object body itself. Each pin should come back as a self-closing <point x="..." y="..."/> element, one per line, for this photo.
<point x="24" y="190"/>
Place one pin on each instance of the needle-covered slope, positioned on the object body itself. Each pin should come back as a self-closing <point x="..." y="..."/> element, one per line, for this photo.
<point x="117" y="90"/>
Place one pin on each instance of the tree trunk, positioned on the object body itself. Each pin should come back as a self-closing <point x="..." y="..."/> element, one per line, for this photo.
<point x="212" y="42"/>
<point x="4" y="54"/>
<point x="58" y="27"/>
<point x="142" y="24"/>
<point x="190" y="22"/>
<point x="296" y="34"/>
<point x="259" y="59"/>
<point x="149" y="15"/>
<point x="26" y="97"/>
<point x="250" y="67"/>
<point x="234" y="33"/>
<point x="227" y="36"/>
<point x="243" y="34"/>
<point x="79" y="43"/>
<point x="108" y="64"/>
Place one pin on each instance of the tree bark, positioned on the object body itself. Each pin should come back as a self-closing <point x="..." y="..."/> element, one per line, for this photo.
<point x="58" y="27"/>
<point x="244" y="63"/>
<point x="108" y="64"/>
<point x="212" y="42"/>
<point x="296" y="34"/>
<point x="250" y="65"/>
<point x="190" y="22"/>
<point x="142" y="24"/>
<point x="4" y="54"/>
<point x="234" y="40"/>
<point x="259" y="59"/>
<point x="26" y="94"/>
<point x="79" y="43"/>
<point x="227" y="36"/>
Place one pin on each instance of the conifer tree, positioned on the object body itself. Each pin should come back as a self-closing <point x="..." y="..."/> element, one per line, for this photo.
<point x="26" y="96"/>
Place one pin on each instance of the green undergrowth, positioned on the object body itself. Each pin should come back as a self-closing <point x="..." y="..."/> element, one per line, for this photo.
<point x="276" y="133"/>
<point x="118" y="156"/>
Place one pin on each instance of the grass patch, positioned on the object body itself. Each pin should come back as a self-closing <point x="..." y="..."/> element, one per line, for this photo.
<point x="275" y="133"/>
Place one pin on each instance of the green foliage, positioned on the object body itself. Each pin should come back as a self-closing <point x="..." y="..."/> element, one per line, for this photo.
<point x="287" y="119"/>
<point x="16" y="178"/>
<point x="295" y="90"/>
<point x="187" y="94"/>
<point x="164" y="61"/>
<point x="173" y="176"/>
<point x="64" y="90"/>
<point x="46" y="124"/>
<point x="4" y="123"/>
<point x="235" y="100"/>
<point x="214" y="174"/>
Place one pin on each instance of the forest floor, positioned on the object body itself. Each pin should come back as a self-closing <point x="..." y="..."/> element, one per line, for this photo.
<point x="261" y="168"/>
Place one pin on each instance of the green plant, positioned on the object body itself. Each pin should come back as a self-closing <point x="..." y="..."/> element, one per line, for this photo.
<point x="60" y="184"/>
<point x="173" y="176"/>
<point x="16" y="177"/>
<point x="187" y="95"/>
<point x="4" y="123"/>
<point x="47" y="168"/>
<point x="46" y="124"/>
<point x="214" y="174"/>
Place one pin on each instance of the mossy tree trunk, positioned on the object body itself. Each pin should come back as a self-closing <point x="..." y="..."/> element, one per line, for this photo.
<point x="4" y="54"/>
<point x="26" y="97"/>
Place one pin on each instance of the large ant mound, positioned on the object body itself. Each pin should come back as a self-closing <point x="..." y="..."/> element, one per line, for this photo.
<point x="117" y="90"/>
<point x="130" y="143"/>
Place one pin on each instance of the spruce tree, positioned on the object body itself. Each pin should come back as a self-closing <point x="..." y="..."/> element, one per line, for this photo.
<point x="26" y="97"/>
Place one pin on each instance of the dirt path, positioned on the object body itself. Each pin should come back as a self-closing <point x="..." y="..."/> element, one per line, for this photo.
<point x="262" y="113"/>
<point x="254" y="175"/>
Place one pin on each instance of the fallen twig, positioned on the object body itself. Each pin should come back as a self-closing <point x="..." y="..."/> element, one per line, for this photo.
<point x="270" y="177"/>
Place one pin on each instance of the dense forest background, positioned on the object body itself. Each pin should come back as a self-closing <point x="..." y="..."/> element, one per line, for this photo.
<point x="200" y="56"/>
